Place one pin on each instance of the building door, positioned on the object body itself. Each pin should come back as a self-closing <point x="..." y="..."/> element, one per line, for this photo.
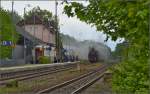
<point x="38" y="52"/>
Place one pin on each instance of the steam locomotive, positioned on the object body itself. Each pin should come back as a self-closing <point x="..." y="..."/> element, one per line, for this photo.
<point x="93" y="55"/>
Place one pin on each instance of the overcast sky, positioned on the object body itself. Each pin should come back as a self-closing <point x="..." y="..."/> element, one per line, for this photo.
<point x="71" y="26"/>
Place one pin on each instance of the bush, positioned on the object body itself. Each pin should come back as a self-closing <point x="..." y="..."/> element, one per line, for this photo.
<point x="44" y="60"/>
<point x="12" y="83"/>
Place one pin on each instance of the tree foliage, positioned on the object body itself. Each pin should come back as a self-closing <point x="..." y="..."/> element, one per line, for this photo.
<point x="126" y="19"/>
<point x="120" y="51"/>
<point x="44" y="14"/>
<point x="7" y="28"/>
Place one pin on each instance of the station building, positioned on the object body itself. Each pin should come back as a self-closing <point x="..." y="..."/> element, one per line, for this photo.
<point x="38" y="39"/>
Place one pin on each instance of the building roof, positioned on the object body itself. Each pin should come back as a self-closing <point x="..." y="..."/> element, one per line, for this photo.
<point x="28" y="36"/>
<point x="34" y="19"/>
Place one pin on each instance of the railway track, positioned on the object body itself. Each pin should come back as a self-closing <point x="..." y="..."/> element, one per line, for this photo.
<point x="28" y="74"/>
<point x="76" y="85"/>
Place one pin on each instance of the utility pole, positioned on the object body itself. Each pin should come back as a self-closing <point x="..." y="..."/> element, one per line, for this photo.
<point x="49" y="39"/>
<point x="149" y="41"/>
<point x="0" y="4"/>
<point x="13" y="44"/>
<point x="56" y="33"/>
<point x="34" y="38"/>
<point x="24" y="39"/>
<point x="0" y="36"/>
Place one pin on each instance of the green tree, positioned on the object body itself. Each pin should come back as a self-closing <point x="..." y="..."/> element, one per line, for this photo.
<point x="7" y="28"/>
<point x="120" y="51"/>
<point x="126" y="19"/>
<point x="44" y="14"/>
